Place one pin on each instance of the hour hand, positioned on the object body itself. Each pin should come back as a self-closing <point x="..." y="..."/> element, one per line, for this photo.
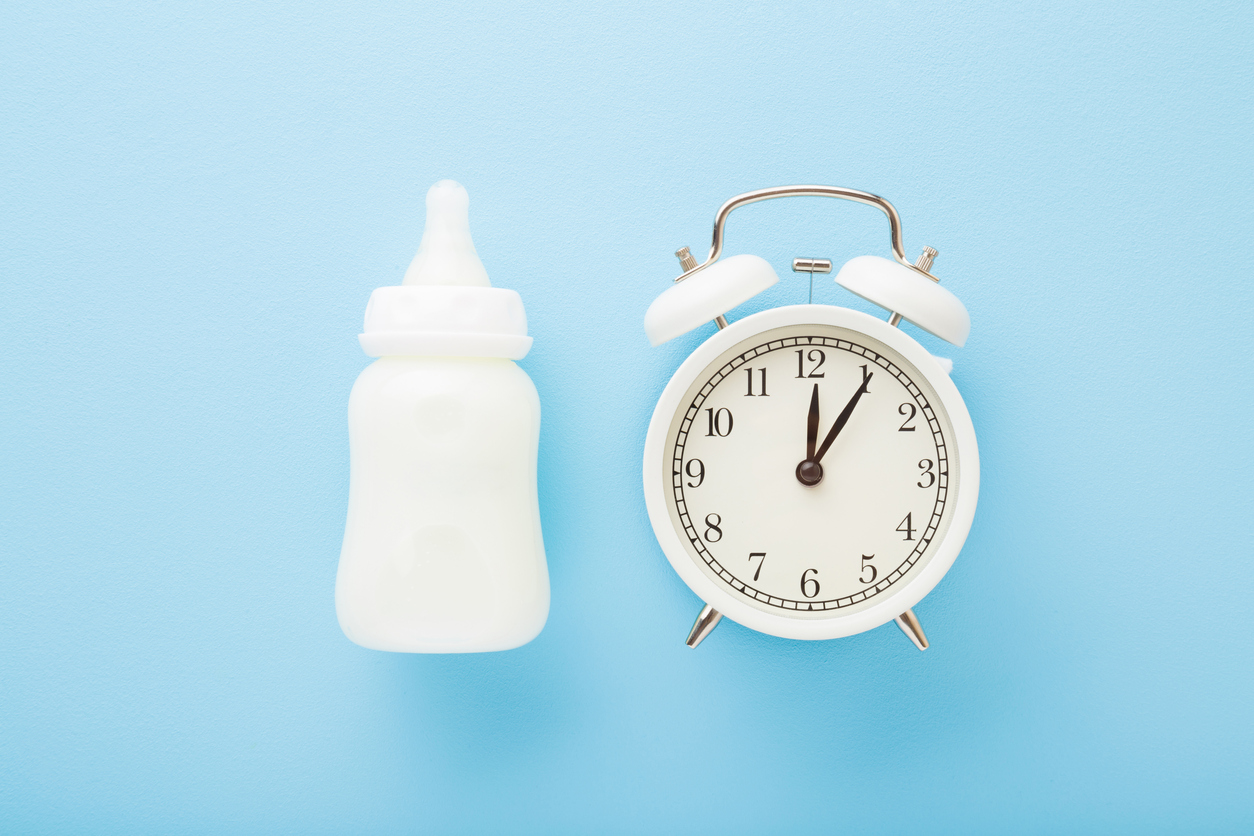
<point x="810" y="472"/>
<point x="812" y="424"/>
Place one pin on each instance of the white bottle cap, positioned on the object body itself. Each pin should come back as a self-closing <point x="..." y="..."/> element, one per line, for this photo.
<point x="447" y="306"/>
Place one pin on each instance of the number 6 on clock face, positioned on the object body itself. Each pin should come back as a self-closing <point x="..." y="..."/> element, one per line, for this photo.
<point x="811" y="472"/>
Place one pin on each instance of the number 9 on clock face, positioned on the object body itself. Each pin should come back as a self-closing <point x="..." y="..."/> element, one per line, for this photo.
<point x="811" y="472"/>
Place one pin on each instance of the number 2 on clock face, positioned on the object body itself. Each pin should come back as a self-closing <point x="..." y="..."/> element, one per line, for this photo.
<point x="811" y="469"/>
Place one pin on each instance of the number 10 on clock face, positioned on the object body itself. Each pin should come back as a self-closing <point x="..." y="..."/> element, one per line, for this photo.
<point x="810" y="472"/>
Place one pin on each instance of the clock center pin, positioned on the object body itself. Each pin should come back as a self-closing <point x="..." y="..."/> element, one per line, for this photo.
<point x="809" y="473"/>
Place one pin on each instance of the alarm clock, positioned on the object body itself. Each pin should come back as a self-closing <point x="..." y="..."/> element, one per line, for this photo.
<point x="810" y="471"/>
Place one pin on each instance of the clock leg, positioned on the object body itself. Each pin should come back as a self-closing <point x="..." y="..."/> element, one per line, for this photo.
<point x="704" y="625"/>
<point x="909" y="624"/>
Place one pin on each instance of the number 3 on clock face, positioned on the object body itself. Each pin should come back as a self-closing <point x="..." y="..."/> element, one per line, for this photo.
<point x="811" y="472"/>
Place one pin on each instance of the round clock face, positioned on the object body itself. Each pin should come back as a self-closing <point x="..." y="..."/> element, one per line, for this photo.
<point x="810" y="472"/>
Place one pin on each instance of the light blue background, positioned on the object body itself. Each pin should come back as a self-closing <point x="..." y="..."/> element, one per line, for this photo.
<point x="197" y="202"/>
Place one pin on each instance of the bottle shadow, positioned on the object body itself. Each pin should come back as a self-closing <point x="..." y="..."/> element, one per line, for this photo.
<point x="476" y="711"/>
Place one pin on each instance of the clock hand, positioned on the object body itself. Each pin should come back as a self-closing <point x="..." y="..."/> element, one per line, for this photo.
<point x="810" y="472"/>
<point x="843" y="418"/>
<point x="812" y="424"/>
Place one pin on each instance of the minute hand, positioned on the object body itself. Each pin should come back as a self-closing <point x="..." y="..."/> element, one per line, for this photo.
<point x="843" y="418"/>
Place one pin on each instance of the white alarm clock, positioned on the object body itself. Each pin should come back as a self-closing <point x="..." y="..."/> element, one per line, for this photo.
<point x="810" y="471"/>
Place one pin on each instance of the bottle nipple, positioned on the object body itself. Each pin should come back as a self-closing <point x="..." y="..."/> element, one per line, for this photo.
<point x="447" y="254"/>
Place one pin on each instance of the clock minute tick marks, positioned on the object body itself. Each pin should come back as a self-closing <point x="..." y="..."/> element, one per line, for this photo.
<point x="694" y="470"/>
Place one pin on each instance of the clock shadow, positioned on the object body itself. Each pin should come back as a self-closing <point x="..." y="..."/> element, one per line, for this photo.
<point x="873" y="698"/>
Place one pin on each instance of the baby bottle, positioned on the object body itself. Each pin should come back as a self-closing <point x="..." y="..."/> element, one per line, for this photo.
<point x="442" y="549"/>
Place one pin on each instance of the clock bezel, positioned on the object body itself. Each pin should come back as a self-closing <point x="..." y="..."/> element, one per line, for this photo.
<point x="782" y="624"/>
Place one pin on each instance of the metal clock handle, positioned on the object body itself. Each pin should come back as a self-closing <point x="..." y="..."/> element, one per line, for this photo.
<point x="709" y="617"/>
<point x="720" y="220"/>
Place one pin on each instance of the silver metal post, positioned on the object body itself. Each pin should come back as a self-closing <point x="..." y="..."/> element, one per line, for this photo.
<point x="924" y="263"/>
<point x="909" y="624"/>
<point x="811" y="266"/>
<point x="686" y="260"/>
<point x="704" y="625"/>
<point x="689" y="263"/>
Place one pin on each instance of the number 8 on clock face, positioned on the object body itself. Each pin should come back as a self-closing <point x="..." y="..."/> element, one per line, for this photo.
<point x="811" y="472"/>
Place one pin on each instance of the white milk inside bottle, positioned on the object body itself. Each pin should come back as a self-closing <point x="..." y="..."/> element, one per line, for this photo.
<point x="442" y="549"/>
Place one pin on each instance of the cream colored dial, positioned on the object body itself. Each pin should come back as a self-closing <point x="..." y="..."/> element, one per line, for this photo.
<point x="744" y="501"/>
